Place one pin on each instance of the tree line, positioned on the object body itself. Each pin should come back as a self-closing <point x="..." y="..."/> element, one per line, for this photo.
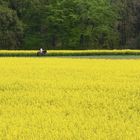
<point x="70" y="24"/>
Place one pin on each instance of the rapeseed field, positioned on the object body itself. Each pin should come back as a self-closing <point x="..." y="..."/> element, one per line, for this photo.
<point x="69" y="99"/>
<point x="33" y="53"/>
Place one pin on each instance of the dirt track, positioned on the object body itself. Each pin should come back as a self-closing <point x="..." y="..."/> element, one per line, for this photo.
<point x="101" y="57"/>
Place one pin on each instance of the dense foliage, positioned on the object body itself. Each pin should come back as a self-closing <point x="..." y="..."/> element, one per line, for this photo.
<point x="69" y="24"/>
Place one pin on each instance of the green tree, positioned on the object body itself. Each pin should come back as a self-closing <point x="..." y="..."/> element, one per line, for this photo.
<point x="10" y="29"/>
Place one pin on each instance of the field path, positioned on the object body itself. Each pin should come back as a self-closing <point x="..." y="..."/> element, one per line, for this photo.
<point x="101" y="57"/>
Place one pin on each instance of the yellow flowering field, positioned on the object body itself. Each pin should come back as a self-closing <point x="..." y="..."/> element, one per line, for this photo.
<point x="69" y="99"/>
<point x="33" y="53"/>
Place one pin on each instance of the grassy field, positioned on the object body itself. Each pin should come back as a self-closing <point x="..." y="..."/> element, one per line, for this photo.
<point x="69" y="99"/>
<point x="33" y="53"/>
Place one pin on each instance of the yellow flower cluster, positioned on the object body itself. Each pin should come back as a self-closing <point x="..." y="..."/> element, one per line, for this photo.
<point x="69" y="99"/>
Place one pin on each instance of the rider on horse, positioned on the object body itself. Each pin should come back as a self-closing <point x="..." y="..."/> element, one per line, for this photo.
<point x="41" y="52"/>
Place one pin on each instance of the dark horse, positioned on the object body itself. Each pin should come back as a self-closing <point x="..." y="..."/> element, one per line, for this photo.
<point x="44" y="52"/>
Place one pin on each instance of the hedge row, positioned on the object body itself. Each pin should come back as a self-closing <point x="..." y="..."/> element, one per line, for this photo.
<point x="24" y="53"/>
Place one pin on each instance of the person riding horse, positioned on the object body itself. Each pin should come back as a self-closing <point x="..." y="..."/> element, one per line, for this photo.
<point x="41" y="52"/>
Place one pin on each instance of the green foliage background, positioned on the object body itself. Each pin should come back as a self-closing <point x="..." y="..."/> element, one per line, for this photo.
<point x="69" y="24"/>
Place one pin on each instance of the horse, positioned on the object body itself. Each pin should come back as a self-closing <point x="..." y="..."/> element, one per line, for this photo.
<point x="44" y="52"/>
